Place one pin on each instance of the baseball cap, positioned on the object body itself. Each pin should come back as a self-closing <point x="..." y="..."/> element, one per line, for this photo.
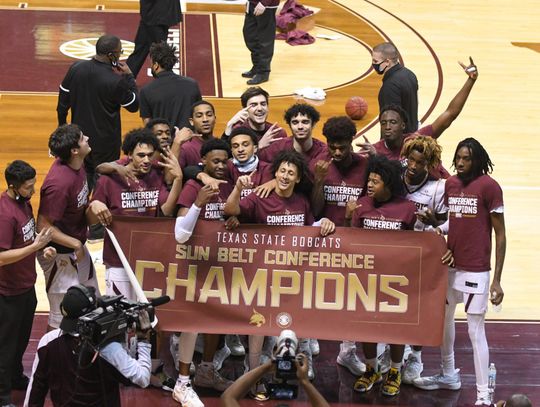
<point x="78" y="300"/>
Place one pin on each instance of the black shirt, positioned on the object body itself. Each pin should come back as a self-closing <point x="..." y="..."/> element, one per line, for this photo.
<point x="400" y="87"/>
<point x="170" y="96"/>
<point x="95" y="93"/>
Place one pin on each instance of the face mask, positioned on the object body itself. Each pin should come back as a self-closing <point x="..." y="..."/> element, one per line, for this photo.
<point x="377" y="67"/>
<point x="20" y="198"/>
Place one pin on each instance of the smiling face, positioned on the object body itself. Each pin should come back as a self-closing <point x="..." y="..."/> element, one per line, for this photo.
<point x="301" y="127"/>
<point x="163" y="134"/>
<point x="392" y="128"/>
<point x="242" y="147"/>
<point x="215" y="163"/>
<point x="203" y="120"/>
<point x="141" y="158"/>
<point x="287" y="177"/>
<point x="257" y="110"/>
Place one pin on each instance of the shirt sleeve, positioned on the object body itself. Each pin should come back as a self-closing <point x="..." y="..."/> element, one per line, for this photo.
<point x="187" y="196"/>
<point x="7" y="226"/>
<point x="101" y="191"/>
<point x="64" y="101"/>
<point x="247" y="207"/>
<point x="493" y="196"/>
<point x="438" y="204"/>
<point x="53" y="201"/>
<point x="145" y="110"/>
<point x="127" y="94"/>
<point x="136" y="370"/>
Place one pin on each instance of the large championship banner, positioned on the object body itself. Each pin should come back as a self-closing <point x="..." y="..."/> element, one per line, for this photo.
<point x="363" y="285"/>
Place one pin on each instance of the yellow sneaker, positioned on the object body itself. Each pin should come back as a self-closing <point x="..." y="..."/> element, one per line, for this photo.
<point x="392" y="383"/>
<point x="365" y="382"/>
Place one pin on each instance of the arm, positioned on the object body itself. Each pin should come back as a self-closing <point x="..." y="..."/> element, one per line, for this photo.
<point x="317" y="193"/>
<point x="315" y="398"/>
<point x="170" y="163"/>
<point x="231" y="396"/>
<point x="240" y="116"/>
<point x="127" y="89"/>
<point x="180" y="137"/>
<point x="497" y="220"/>
<point x="187" y="218"/>
<point x="59" y="237"/>
<point x="63" y="106"/>
<point x="14" y="255"/>
<point x="232" y="206"/>
<point x="123" y="170"/>
<point x="456" y="105"/>
<point x="136" y="370"/>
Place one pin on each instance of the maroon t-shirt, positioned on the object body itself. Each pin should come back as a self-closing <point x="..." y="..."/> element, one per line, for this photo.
<point x="64" y="198"/>
<point x="190" y="152"/>
<point x="260" y="133"/>
<point x="275" y="210"/>
<point x="427" y="131"/>
<point x="138" y="199"/>
<point x="341" y="185"/>
<point x="317" y="150"/>
<point x="262" y="175"/>
<point x="469" y="211"/>
<point x="213" y="210"/>
<point x="17" y="228"/>
<point x="396" y="214"/>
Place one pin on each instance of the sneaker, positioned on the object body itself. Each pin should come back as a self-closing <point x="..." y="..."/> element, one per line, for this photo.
<point x="392" y="383"/>
<point x="259" y="392"/>
<point x="174" y="341"/>
<point x="314" y="346"/>
<point x="483" y="399"/>
<point x="208" y="376"/>
<point x="234" y="344"/>
<point x="220" y="356"/>
<point x="348" y="358"/>
<point x="186" y="396"/>
<point x="161" y="380"/>
<point x="384" y="360"/>
<point x="268" y="349"/>
<point x="439" y="381"/>
<point x="412" y="369"/>
<point x="365" y="382"/>
<point x="305" y="348"/>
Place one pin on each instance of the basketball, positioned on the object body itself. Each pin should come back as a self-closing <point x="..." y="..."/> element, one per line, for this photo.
<point x="356" y="107"/>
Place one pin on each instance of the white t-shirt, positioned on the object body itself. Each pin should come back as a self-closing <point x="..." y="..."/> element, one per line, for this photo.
<point x="429" y="195"/>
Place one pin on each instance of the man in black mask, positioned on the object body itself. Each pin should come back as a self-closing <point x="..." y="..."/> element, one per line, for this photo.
<point x="400" y="86"/>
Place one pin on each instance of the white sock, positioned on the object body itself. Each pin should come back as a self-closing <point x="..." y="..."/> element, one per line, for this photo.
<point x="477" y="335"/>
<point x="395" y="365"/>
<point x="182" y="379"/>
<point x="447" y="347"/>
<point x="417" y="354"/>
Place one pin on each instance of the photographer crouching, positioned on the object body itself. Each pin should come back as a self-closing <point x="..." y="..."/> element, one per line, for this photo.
<point x="83" y="362"/>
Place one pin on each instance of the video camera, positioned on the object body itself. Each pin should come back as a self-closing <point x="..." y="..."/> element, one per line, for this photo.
<point x="285" y="357"/>
<point x="113" y="316"/>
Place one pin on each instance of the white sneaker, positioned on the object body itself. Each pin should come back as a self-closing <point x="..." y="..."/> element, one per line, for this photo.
<point x="384" y="360"/>
<point x="411" y="370"/>
<point x="314" y="346"/>
<point x="268" y="349"/>
<point x="186" y="396"/>
<point x="220" y="356"/>
<point x="304" y="347"/>
<point x="348" y="358"/>
<point x="235" y="345"/>
<point x="440" y="381"/>
<point x="483" y="399"/>
<point x="208" y="376"/>
<point x="174" y="341"/>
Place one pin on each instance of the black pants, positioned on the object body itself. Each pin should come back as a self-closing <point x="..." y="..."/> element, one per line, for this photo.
<point x="146" y="35"/>
<point x="16" y="318"/>
<point x="259" y="34"/>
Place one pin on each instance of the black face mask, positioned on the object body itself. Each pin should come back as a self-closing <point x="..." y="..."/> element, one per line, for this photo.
<point x="377" y="67"/>
<point x="20" y="198"/>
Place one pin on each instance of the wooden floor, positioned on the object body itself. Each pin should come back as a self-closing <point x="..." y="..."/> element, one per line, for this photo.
<point x="502" y="110"/>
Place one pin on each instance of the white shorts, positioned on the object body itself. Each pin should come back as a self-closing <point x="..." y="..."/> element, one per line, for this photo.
<point x="117" y="283"/>
<point x="470" y="288"/>
<point x="62" y="272"/>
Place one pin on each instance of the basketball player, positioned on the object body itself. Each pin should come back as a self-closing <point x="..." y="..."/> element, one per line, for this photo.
<point x="339" y="177"/>
<point x="284" y="206"/>
<point x="476" y="207"/>
<point x="423" y="155"/>
<point x="384" y="200"/>
<point x="64" y="198"/>
<point x="206" y="203"/>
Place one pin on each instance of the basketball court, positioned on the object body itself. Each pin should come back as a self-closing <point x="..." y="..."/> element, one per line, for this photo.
<point x="41" y="40"/>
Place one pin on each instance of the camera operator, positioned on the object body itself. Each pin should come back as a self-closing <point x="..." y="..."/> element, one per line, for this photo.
<point x="232" y="396"/>
<point x="75" y="373"/>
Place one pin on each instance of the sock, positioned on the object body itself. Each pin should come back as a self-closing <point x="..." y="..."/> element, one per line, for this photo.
<point x="448" y="365"/>
<point x="395" y="365"/>
<point x="373" y="363"/>
<point x="417" y="354"/>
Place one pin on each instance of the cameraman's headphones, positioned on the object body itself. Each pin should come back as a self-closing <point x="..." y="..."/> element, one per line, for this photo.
<point x="90" y="295"/>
